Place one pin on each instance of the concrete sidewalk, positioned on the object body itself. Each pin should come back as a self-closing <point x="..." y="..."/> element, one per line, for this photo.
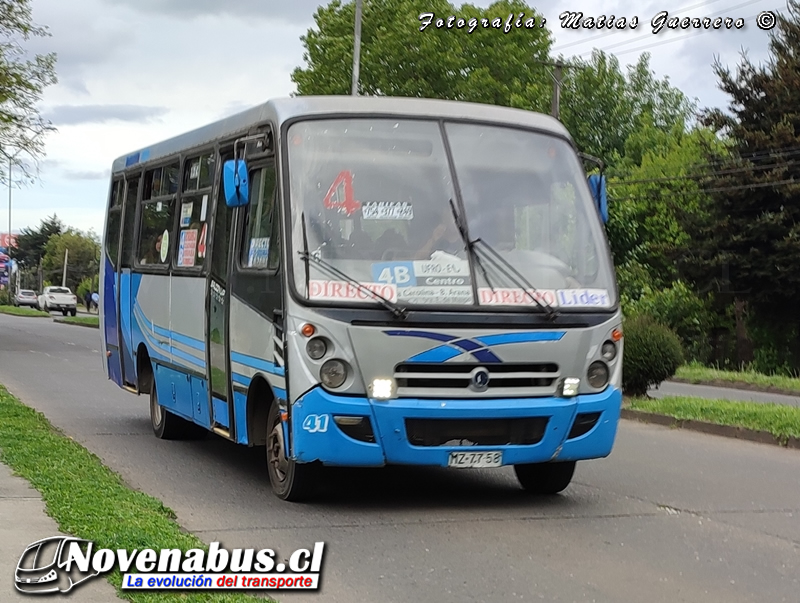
<point x="23" y="520"/>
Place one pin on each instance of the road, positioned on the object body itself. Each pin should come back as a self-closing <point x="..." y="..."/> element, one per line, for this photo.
<point x="670" y="516"/>
<point x="671" y="388"/>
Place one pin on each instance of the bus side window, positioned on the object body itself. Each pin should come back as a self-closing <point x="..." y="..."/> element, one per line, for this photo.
<point x="257" y="241"/>
<point x="158" y="208"/>
<point x="114" y="221"/>
<point x="128" y="219"/>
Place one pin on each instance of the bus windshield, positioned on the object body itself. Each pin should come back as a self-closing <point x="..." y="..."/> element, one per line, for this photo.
<point x="375" y="199"/>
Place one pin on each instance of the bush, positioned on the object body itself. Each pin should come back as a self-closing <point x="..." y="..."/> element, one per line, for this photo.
<point x="683" y="311"/>
<point x="5" y="298"/>
<point x="652" y="354"/>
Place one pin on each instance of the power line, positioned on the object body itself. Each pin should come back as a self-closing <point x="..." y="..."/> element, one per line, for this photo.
<point x="705" y="175"/>
<point x="689" y="35"/>
<point x="612" y="32"/>
<point x="650" y="35"/>
<point x="718" y="189"/>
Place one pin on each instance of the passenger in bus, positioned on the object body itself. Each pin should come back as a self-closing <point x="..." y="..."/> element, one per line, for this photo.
<point x="153" y="253"/>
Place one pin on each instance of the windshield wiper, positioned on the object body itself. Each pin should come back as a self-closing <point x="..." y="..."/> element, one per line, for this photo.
<point x="396" y="309"/>
<point x="512" y="274"/>
<point x="470" y="245"/>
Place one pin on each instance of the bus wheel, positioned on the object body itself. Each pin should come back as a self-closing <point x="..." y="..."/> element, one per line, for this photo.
<point x="166" y="425"/>
<point x="545" y="478"/>
<point x="290" y="480"/>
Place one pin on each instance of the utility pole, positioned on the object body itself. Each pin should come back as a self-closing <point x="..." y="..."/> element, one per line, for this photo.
<point x="64" y="277"/>
<point x="357" y="49"/>
<point x="557" y="76"/>
<point x="10" y="287"/>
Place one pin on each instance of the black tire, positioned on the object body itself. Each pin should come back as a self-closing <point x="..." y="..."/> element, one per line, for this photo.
<point x="545" y="478"/>
<point x="166" y="425"/>
<point x="64" y="312"/>
<point x="73" y="312"/>
<point x="290" y="481"/>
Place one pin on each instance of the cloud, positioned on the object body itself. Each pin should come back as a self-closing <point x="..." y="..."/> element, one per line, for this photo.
<point x="70" y="115"/>
<point x="288" y="11"/>
<point x="85" y="175"/>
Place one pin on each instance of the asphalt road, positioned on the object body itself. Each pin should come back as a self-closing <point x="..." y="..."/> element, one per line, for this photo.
<point x="670" y="516"/>
<point x="726" y="393"/>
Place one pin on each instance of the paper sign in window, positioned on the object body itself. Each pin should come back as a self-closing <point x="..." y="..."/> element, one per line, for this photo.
<point x="259" y="252"/>
<point x="187" y="248"/>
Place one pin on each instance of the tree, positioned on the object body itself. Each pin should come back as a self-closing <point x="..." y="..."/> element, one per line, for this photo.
<point x="22" y="82"/>
<point x="31" y="242"/>
<point x="397" y="59"/>
<point x="82" y="261"/>
<point x="755" y="232"/>
<point x="602" y="107"/>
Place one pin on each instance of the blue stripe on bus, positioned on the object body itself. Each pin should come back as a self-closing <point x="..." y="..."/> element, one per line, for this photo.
<point x="503" y="338"/>
<point x="188" y="357"/>
<point x="188" y="341"/>
<point x="257" y="363"/>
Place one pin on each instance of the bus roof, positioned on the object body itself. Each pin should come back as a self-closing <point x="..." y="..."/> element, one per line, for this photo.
<point x="280" y="110"/>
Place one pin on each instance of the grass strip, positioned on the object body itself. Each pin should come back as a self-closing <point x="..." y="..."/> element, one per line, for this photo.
<point x="14" y="311"/>
<point x="90" y="501"/>
<point x="780" y="420"/>
<point x="696" y="373"/>
<point x="89" y="321"/>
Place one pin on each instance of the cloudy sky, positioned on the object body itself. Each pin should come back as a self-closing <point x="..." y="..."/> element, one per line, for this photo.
<point x="133" y="72"/>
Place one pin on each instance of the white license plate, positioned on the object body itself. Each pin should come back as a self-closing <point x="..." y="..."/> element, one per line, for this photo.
<point x="475" y="459"/>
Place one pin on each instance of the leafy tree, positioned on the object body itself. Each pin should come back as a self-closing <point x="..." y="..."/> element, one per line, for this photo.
<point x="755" y="231"/>
<point x="602" y="107"/>
<point x="82" y="261"/>
<point x="397" y="59"/>
<point x="22" y="82"/>
<point x="31" y="242"/>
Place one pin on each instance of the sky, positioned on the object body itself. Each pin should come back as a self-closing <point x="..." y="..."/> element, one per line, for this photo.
<point x="134" y="72"/>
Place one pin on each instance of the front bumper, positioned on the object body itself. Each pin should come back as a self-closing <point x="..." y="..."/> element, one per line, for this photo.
<point x="317" y="437"/>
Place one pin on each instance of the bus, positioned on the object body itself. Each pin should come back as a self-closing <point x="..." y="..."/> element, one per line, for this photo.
<point x="356" y="281"/>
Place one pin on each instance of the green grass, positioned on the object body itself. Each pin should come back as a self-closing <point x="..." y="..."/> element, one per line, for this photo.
<point x="780" y="420"/>
<point x="90" y="501"/>
<point x="21" y="311"/>
<point x="697" y="373"/>
<point x="91" y="321"/>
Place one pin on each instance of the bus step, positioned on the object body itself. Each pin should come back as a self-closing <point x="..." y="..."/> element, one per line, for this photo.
<point x="221" y="431"/>
<point x="131" y="389"/>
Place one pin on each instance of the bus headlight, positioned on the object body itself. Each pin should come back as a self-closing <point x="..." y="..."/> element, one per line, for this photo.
<point x="316" y="348"/>
<point x="381" y="389"/>
<point x="608" y="351"/>
<point x="333" y="373"/>
<point x="597" y="375"/>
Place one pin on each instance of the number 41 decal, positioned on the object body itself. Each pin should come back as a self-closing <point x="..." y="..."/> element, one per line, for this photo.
<point x="316" y="423"/>
<point x="340" y="194"/>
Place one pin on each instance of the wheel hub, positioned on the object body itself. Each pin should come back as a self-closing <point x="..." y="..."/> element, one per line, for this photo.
<point x="275" y="451"/>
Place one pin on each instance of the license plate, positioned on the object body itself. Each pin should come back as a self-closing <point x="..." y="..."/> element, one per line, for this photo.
<point x="475" y="459"/>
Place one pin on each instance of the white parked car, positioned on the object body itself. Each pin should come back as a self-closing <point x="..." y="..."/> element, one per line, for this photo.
<point x="26" y="297"/>
<point x="58" y="298"/>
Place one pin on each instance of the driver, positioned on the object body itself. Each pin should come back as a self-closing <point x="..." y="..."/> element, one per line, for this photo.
<point x="445" y="237"/>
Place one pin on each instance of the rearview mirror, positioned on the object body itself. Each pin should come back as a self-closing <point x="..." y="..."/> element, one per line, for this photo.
<point x="235" y="184"/>
<point x="597" y="184"/>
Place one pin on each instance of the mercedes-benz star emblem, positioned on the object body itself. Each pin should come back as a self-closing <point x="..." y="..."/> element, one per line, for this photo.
<point x="479" y="379"/>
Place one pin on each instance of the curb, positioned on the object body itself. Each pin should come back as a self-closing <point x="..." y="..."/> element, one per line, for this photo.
<point x="76" y="324"/>
<point x="766" y="389"/>
<point x="728" y="431"/>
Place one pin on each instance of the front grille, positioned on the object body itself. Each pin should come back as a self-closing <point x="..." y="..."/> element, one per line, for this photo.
<point x="421" y="379"/>
<point x="476" y="432"/>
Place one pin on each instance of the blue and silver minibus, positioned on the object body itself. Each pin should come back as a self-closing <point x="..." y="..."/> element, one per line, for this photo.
<point x="353" y="281"/>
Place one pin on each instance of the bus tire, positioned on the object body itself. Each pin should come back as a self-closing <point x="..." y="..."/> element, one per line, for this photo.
<point x="290" y="480"/>
<point x="166" y="425"/>
<point x="545" y="478"/>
